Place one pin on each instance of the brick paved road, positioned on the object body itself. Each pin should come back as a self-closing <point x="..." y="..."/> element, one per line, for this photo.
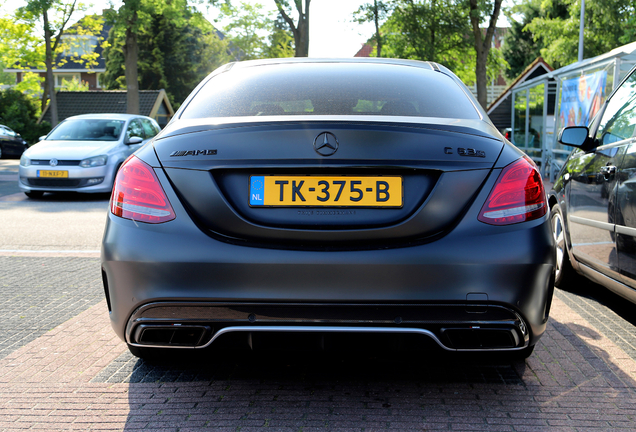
<point x="38" y="294"/>
<point x="74" y="374"/>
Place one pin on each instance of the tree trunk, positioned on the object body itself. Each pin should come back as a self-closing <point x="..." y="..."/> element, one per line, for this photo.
<point x="300" y="30"/>
<point x="131" y="53"/>
<point x="302" y="46"/>
<point x="49" y="81"/>
<point x="481" y="77"/>
<point x="482" y="47"/>
<point x="378" y="38"/>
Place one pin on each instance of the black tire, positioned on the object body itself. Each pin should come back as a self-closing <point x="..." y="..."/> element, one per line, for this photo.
<point x="565" y="275"/>
<point x="34" y="194"/>
<point x="0" y="152"/>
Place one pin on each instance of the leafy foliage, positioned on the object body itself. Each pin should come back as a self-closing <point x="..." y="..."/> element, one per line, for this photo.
<point x="20" y="46"/>
<point x="281" y="41"/>
<point x="374" y="13"/>
<point x="554" y="28"/>
<point x="254" y="35"/>
<point x="20" y="113"/>
<point x="435" y="30"/>
<point x="519" y="48"/>
<point x="177" y="48"/>
<point x="299" y="29"/>
<point x="74" y="84"/>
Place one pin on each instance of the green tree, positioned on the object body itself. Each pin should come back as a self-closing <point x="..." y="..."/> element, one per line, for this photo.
<point x="129" y="19"/>
<point x="177" y="48"/>
<point x="436" y="30"/>
<point x="373" y="12"/>
<point x="254" y="35"/>
<point x="300" y="29"/>
<point x="519" y="48"/>
<point x="479" y="11"/>
<point x="432" y="30"/>
<point x="20" y="113"/>
<point x="608" y="24"/>
<point x="54" y="17"/>
<point x="281" y="41"/>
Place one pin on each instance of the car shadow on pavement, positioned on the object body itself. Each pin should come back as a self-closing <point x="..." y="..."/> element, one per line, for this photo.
<point x="570" y="380"/>
<point x="71" y="197"/>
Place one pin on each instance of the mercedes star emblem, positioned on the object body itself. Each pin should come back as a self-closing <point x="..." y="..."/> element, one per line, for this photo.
<point x="326" y="144"/>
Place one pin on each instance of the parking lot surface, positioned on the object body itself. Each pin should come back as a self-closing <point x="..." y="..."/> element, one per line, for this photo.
<point x="63" y="368"/>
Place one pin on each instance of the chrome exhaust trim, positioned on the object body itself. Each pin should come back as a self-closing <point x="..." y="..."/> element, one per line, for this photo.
<point x="331" y="329"/>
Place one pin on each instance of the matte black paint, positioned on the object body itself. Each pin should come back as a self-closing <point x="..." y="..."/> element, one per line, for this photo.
<point x="432" y="255"/>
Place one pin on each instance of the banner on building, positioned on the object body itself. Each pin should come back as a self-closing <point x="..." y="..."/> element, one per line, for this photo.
<point x="581" y="98"/>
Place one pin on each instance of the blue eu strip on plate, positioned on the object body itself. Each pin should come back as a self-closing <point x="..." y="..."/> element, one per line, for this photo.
<point x="257" y="190"/>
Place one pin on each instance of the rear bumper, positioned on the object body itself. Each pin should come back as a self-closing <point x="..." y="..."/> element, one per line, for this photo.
<point x="174" y="275"/>
<point x="452" y="327"/>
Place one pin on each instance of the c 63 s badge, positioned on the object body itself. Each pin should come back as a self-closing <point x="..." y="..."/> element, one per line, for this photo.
<point x="193" y="153"/>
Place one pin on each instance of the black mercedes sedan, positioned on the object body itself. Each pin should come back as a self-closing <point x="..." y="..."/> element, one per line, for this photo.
<point x="306" y="199"/>
<point x="594" y="197"/>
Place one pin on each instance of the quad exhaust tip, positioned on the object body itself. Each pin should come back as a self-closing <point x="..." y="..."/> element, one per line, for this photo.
<point x="201" y="336"/>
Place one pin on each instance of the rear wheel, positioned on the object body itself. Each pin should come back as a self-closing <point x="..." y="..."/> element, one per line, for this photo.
<point x="565" y="274"/>
<point x="34" y="194"/>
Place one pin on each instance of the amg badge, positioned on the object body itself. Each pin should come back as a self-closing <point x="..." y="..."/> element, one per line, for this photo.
<point x="193" y="153"/>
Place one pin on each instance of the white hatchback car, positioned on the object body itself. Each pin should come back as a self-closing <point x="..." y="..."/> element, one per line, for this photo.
<point x="83" y="153"/>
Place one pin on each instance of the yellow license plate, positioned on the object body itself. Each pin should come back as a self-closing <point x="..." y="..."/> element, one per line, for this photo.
<point x="53" y="173"/>
<point x="325" y="191"/>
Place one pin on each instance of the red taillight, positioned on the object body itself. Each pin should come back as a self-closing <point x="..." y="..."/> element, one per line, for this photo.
<point x="138" y="195"/>
<point x="517" y="196"/>
<point x="508" y="135"/>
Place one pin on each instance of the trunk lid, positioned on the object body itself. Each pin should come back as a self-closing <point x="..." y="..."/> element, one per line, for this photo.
<point x="213" y="169"/>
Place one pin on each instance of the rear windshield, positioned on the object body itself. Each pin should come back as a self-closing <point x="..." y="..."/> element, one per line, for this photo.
<point x="331" y="89"/>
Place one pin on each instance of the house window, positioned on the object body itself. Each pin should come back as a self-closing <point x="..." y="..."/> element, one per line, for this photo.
<point x="60" y="78"/>
<point x="78" y="45"/>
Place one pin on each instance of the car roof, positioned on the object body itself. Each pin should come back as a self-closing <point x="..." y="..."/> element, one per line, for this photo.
<point x="106" y="116"/>
<point x="374" y="60"/>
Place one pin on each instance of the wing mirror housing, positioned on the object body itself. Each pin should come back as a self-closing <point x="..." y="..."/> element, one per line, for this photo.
<point x="42" y="138"/>
<point x="134" y="140"/>
<point x="575" y="136"/>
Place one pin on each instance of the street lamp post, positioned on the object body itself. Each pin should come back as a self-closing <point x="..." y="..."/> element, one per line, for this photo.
<point x="581" y="30"/>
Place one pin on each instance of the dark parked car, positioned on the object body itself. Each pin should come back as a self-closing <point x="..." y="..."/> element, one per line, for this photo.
<point x="11" y="143"/>
<point x="317" y="200"/>
<point x="594" y="198"/>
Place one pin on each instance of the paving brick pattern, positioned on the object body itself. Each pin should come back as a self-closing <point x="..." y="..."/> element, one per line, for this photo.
<point x="79" y="376"/>
<point x="38" y="294"/>
<point x="608" y="322"/>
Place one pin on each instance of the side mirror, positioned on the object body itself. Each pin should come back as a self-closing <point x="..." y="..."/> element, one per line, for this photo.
<point x="574" y="136"/>
<point x="134" y="140"/>
<point x="42" y="138"/>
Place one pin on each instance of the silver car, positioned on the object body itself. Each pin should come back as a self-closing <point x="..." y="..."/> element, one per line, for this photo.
<point x="83" y="153"/>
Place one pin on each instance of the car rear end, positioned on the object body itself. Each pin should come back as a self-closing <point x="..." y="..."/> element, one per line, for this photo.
<point x="329" y="216"/>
